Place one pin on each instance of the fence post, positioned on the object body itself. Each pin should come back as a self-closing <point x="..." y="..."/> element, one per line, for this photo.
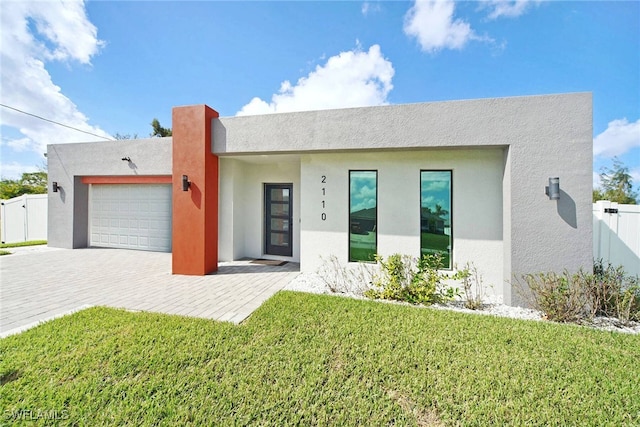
<point x="25" y="209"/>
<point x="3" y="223"/>
<point x="598" y="228"/>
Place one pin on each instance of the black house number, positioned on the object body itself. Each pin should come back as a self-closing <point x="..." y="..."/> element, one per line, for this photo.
<point x="323" y="180"/>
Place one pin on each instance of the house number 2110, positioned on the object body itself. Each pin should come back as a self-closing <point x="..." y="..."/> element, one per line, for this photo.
<point x="323" y="180"/>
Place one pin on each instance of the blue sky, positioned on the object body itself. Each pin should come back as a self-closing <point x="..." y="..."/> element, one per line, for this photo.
<point x="110" y="67"/>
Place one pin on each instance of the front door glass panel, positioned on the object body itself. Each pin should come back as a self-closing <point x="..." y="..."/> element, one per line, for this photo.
<point x="278" y="219"/>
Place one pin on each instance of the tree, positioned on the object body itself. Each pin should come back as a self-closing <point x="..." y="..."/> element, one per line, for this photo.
<point x="159" y="130"/>
<point x="120" y="136"/>
<point x="440" y="212"/>
<point x="29" y="183"/>
<point x="616" y="185"/>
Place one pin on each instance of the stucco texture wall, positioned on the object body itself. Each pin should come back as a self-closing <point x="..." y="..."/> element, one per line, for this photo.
<point x="502" y="152"/>
<point x="477" y="226"/>
<point x="68" y="163"/>
<point x="241" y="220"/>
<point x="542" y="136"/>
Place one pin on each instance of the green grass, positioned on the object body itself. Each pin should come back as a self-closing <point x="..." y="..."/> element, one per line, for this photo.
<point x="319" y="360"/>
<point x="19" y="244"/>
<point x="4" y="253"/>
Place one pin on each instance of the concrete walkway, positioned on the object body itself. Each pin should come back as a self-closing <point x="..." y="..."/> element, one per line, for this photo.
<point x="38" y="285"/>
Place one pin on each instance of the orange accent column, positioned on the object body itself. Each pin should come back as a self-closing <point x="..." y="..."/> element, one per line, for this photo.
<point x="195" y="212"/>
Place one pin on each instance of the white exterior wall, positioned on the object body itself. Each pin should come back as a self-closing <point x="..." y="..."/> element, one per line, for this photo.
<point x="241" y="204"/>
<point x="543" y="136"/>
<point x="476" y="205"/>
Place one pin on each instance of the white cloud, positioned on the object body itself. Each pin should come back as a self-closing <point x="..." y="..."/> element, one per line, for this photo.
<point x="509" y="8"/>
<point x="596" y="179"/>
<point x="635" y="176"/>
<point x="368" y="7"/>
<point x="619" y="137"/>
<point x="433" y="24"/>
<point x="34" y="33"/>
<point x="18" y="144"/>
<point x="14" y="170"/>
<point x="349" y="79"/>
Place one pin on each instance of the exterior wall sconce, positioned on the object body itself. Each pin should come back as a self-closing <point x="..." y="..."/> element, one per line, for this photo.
<point x="56" y="187"/>
<point x="185" y="183"/>
<point x="553" y="189"/>
<point x="126" y="159"/>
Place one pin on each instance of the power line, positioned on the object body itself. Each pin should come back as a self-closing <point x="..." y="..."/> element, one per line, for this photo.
<point x="54" y="122"/>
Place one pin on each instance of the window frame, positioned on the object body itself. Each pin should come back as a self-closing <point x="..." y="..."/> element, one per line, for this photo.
<point x="349" y="259"/>
<point x="451" y="240"/>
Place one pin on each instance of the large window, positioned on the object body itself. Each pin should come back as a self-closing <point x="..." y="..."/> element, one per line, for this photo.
<point x="435" y="214"/>
<point x="363" y="215"/>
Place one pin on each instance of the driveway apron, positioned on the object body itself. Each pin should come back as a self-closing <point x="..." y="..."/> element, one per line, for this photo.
<point x="40" y="285"/>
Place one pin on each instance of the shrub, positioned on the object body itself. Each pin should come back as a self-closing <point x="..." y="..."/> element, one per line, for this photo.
<point x="472" y="285"/>
<point x="405" y="278"/>
<point x="345" y="279"/>
<point x="613" y="293"/>
<point x="608" y="291"/>
<point x="561" y="297"/>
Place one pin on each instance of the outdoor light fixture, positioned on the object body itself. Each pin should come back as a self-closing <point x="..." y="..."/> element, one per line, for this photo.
<point x="185" y="183"/>
<point x="55" y="186"/>
<point x="126" y="159"/>
<point x="553" y="189"/>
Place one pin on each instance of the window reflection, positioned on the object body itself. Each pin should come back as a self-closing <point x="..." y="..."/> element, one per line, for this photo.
<point x="363" y="215"/>
<point x="435" y="214"/>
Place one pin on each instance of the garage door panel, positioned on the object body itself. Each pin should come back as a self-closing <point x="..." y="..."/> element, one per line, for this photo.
<point x="134" y="216"/>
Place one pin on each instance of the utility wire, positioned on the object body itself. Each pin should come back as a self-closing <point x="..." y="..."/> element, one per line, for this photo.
<point x="54" y="122"/>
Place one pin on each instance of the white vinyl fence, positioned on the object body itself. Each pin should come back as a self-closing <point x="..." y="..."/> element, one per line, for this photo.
<point x="24" y="218"/>
<point x="616" y="234"/>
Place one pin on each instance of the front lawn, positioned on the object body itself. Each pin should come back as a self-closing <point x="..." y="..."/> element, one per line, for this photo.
<point x="306" y="359"/>
<point x="20" y="244"/>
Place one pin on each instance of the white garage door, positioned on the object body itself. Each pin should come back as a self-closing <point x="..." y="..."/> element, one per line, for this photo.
<point x="132" y="216"/>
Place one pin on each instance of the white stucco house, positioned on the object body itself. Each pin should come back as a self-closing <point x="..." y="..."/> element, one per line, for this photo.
<point x="465" y="179"/>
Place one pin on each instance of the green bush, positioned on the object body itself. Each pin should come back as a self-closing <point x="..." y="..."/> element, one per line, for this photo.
<point x="608" y="291"/>
<point x="613" y="293"/>
<point x="561" y="297"/>
<point x="405" y="278"/>
<point x="472" y="285"/>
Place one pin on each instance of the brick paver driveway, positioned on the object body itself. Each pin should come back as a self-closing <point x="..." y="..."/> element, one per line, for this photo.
<point x="40" y="285"/>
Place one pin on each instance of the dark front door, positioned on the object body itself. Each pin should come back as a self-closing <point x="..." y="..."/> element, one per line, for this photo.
<point x="278" y="209"/>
